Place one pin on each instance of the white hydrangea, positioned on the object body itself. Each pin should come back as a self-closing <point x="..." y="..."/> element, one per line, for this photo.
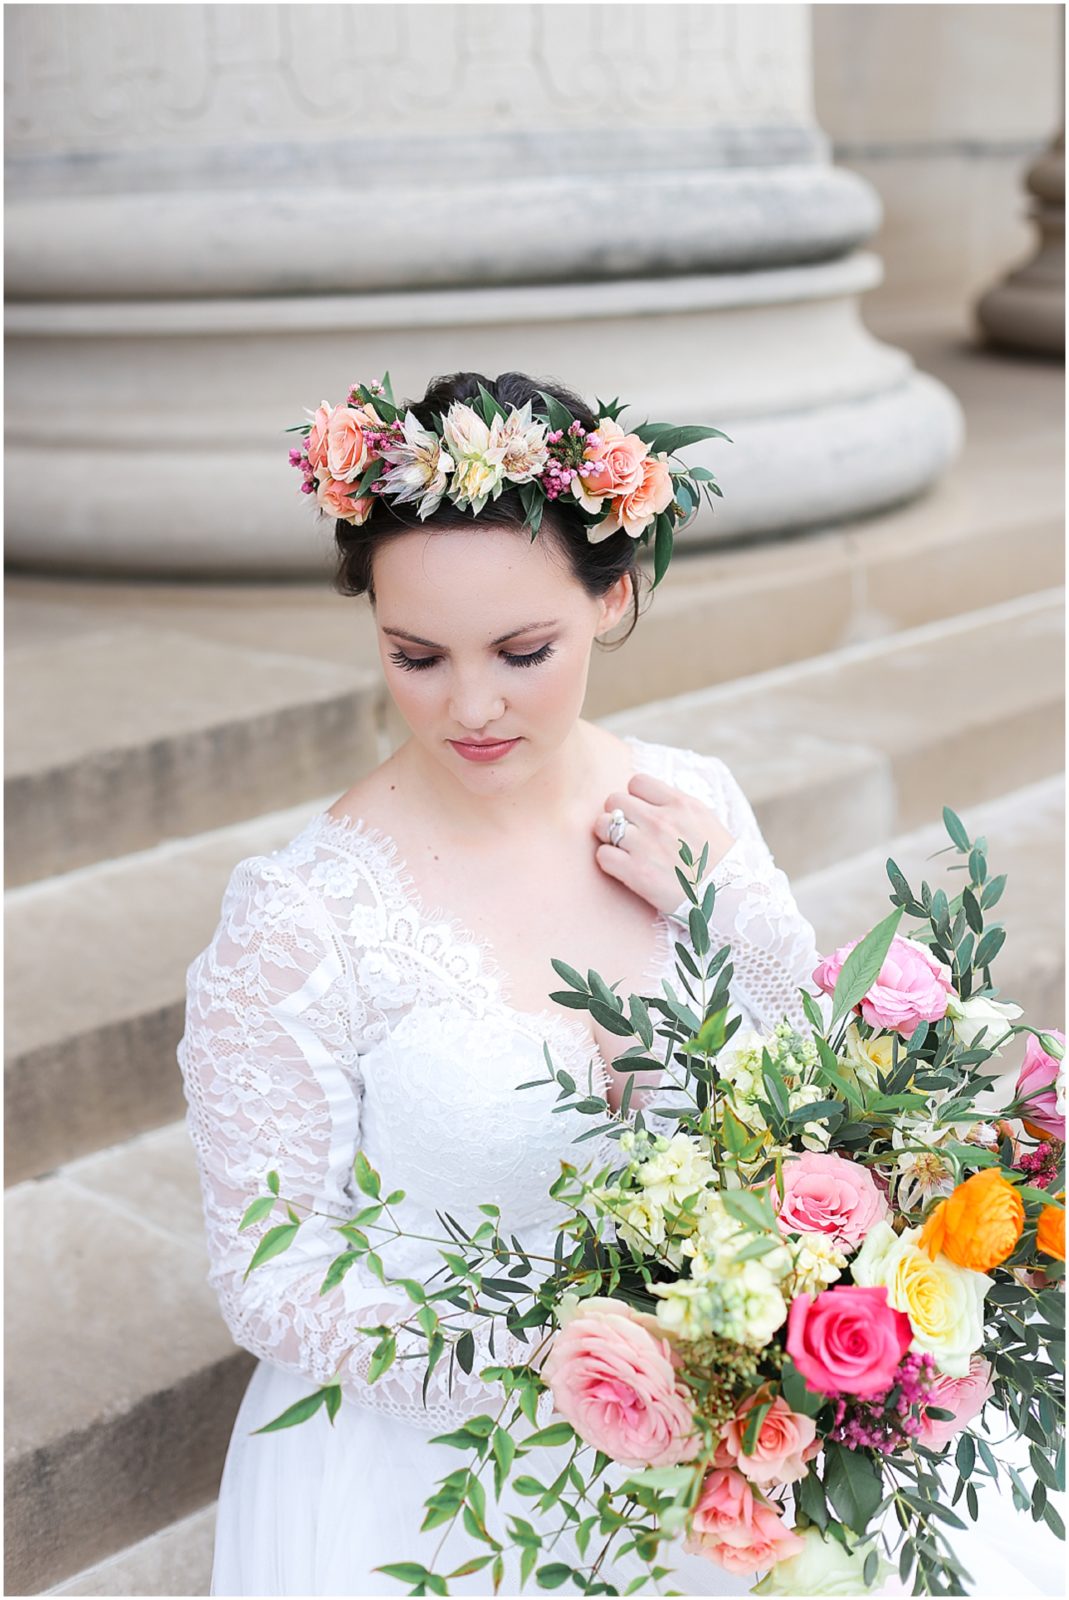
<point x="741" y="1300"/>
<point x="648" y="1203"/>
<point x="818" y="1261"/>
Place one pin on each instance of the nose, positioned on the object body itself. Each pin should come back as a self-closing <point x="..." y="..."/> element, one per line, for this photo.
<point x="476" y="708"/>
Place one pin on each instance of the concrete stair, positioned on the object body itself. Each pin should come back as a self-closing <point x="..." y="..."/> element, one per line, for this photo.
<point x="112" y="1471"/>
<point x="836" y="754"/>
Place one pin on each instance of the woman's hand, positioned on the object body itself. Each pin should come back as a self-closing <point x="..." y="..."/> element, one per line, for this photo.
<point x="658" y="816"/>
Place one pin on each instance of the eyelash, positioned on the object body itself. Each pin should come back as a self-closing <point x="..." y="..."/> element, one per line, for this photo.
<point x="420" y="664"/>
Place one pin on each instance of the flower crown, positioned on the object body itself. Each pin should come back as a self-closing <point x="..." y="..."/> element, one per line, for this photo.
<point x="355" y="453"/>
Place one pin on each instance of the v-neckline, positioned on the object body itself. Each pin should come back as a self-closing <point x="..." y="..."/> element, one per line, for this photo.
<point x="569" y="1030"/>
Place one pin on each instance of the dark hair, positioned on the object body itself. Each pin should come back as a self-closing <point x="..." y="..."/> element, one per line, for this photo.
<point x="595" y="566"/>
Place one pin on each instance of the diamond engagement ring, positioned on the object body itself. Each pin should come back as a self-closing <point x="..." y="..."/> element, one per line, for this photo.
<point x="617" y="826"/>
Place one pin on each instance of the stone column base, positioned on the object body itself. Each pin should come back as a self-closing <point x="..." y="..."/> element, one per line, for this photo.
<point x="173" y="456"/>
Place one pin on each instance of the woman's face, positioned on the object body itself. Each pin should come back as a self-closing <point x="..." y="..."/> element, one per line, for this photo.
<point x="484" y="634"/>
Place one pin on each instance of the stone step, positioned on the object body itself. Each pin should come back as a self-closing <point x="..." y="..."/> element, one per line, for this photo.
<point x="893" y="730"/>
<point x="176" y="1560"/>
<point x="842" y="750"/>
<point x="118" y="739"/>
<point x="110" y="1445"/>
<point x="123" y="1379"/>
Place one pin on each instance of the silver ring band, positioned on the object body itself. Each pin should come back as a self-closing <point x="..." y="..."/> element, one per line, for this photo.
<point x="617" y="826"/>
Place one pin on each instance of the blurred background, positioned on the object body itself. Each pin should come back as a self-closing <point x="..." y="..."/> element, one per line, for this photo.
<point x="835" y="232"/>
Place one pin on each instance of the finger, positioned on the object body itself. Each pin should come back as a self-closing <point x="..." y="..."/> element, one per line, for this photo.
<point x="601" y="830"/>
<point x="613" y="861"/>
<point x="633" y="806"/>
<point x="653" y="791"/>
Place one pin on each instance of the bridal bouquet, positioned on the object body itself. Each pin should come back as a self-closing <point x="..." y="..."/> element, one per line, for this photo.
<point x="781" y="1332"/>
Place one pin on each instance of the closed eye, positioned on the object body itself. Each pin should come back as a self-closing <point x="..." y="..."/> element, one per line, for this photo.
<point x="418" y="663"/>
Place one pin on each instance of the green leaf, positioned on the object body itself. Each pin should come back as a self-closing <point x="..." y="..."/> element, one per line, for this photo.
<point x="557" y="1433"/>
<point x="260" y="1208"/>
<point x="405" y="1571"/>
<point x="852" y="1484"/>
<point x="466" y="1350"/>
<point x="956" y="828"/>
<point x="272" y="1244"/>
<point x="754" y="1424"/>
<point x="382" y="1357"/>
<point x="367" y="1179"/>
<point x="662" y="548"/>
<point x="553" y="1575"/>
<point x="272" y="1182"/>
<point x="300" y="1411"/>
<point x="558" y="415"/>
<point x="989" y="946"/>
<point x="862" y="966"/>
<point x="491" y="408"/>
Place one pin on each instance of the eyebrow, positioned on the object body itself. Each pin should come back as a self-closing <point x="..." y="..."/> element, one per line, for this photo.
<point x="414" y="638"/>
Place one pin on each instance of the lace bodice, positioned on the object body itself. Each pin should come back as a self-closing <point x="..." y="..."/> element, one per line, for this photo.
<point x="331" y="1011"/>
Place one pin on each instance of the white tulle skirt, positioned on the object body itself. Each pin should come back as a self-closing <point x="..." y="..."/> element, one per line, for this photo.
<point x="314" y="1509"/>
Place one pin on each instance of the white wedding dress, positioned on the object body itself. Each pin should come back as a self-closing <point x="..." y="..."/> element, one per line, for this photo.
<point x="332" y="1011"/>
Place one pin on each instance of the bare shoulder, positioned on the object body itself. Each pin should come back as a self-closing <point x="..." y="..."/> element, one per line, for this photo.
<point x="375" y="798"/>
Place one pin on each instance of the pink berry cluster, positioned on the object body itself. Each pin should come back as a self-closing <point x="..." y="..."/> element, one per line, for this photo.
<point x="299" y="458"/>
<point x="1040" y="1165"/>
<point x="566" y="459"/>
<point x="886" y="1421"/>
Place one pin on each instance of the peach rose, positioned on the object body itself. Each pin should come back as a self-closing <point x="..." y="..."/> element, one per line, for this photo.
<point x="831" y="1195"/>
<point x="736" y="1528"/>
<point x="785" y="1442"/>
<point x="615" y="463"/>
<point x="978" y="1225"/>
<point x="635" y="511"/>
<point x="615" y="1382"/>
<point x="966" y="1397"/>
<point x="316" y="439"/>
<point x="347" y="452"/>
<point x="912" y="985"/>
<point x="1050" y="1233"/>
<point x="337" y="501"/>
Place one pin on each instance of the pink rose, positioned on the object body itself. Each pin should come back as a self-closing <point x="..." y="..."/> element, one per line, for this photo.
<point x="735" y="1528"/>
<point x="1041" y="1071"/>
<point x="615" y="1381"/>
<point x="785" y="1442"/>
<point x="316" y="439"/>
<point x="966" y="1397"/>
<point x="347" y="453"/>
<point x="829" y="1194"/>
<point x="912" y="985"/>
<point x="337" y="501"/>
<point x="848" y="1340"/>
<point x="616" y="461"/>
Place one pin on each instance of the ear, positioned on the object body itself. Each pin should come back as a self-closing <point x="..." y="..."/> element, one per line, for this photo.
<point x="615" y="602"/>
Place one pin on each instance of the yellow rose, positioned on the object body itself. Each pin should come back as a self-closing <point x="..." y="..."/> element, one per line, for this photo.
<point x="944" y="1302"/>
<point x="867" y="1056"/>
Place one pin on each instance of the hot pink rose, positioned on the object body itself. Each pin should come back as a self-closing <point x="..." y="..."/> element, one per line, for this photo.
<point x="829" y="1194"/>
<point x="966" y="1397"/>
<point x="615" y="1381"/>
<point x="317" y="438"/>
<point x="735" y="1528"/>
<point x="616" y="462"/>
<point x="912" y="985"/>
<point x="337" y="501"/>
<point x="347" y="453"/>
<point x="785" y="1443"/>
<point x="1041" y="1071"/>
<point x="848" y="1340"/>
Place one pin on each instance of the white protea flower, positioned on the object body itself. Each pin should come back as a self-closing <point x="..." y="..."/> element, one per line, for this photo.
<point x="923" y="1173"/>
<point x="419" y="466"/>
<point x="478" y="463"/>
<point x="523" y="443"/>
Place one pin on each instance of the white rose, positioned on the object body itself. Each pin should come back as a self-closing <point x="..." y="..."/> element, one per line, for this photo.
<point x="944" y="1302"/>
<point x="822" y="1567"/>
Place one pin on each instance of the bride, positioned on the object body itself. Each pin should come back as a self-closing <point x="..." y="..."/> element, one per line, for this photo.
<point x="382" y="983"/>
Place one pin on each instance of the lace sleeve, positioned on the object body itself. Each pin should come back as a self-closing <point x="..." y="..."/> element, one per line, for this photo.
<point x="274" y="1027"/>
<point x="773" y="946"/>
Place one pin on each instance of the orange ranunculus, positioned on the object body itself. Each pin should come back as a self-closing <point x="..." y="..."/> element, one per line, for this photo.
<point x="1050" y="1234"/>
<point x="977" y="1226"/>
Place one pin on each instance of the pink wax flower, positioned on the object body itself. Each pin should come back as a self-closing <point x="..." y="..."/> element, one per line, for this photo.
<point x="912" y="985"/>
<point x="966" y="1397"/>
<point x="831" y="1195"/>
<point x="615" y="1381"/>
<point x="785" y="1442"/>
<point x="735" y="1528"/>
<point x="847" y="1340"/>
<point x="1039" y="1071"/>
